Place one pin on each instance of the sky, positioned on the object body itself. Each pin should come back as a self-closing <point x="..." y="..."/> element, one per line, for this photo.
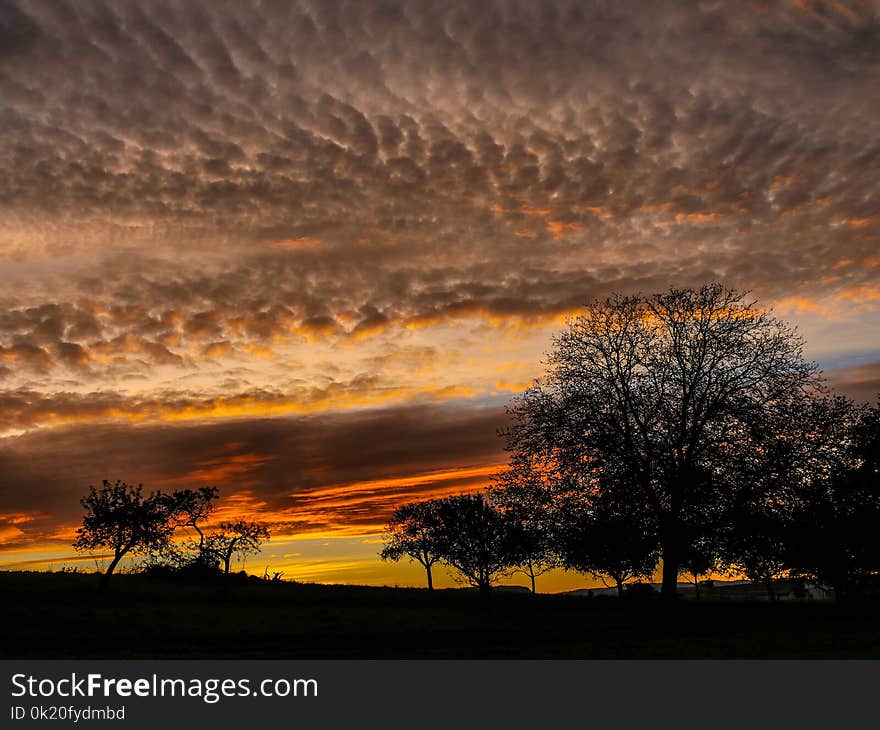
<point x="307" y="251"/>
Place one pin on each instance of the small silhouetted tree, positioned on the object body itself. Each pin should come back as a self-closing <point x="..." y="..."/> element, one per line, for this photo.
<point x="787" y="454"/>
<point x="606" y="540"/>
<point x="121" y="518"/>
<point x="413" y="532"/>
<point x="474" y="539"/>
<point x="235" y="538"/>
<point x="523" y="494"/>
<point x="702" y="557"/>
<point x="662" y="390"/>
<point x="835" y="537"/>
<point x="757" y="545"/>
<point x="192" y="507"/>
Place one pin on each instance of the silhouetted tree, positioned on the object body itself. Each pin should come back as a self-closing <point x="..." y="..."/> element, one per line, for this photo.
<point x="756" y="545"/>
<point x="474" y="539"/>
<point x="191" y="507"/>
<point x="660" y="391"/>
<point x="526" y="500"/>
<point x="835" y="537"/>
<point x="606" y="538"/>
<point x="413" y="531"/>
<point x="787" y="452"/>
<point x="235" y="538"/>
<point x="119" y="517"/>
<point x="702" y="556"/>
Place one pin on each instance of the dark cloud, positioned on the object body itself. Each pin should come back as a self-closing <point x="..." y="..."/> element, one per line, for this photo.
<point x="304" y="473"/>
<point x="859" y="382"/>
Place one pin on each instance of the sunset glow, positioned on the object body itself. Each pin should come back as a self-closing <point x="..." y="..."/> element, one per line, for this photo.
<point x="307" y="253"/>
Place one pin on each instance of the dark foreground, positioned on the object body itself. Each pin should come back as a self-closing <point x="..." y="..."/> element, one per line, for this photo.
<point x="63" y="616"/>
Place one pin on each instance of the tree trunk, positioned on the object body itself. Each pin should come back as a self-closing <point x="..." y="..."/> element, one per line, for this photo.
<point x="619" y="588"/>
<point x="532" y="576"/>
<point x="847" y="588"/>
<point x="105" y="579"/>
<point x="696" y="587"/>
<point x="430" y="577"/>
<point x="771" y="594"/>
<point x="227" y="559"/>
<point x="671" y="533"/>
<point x="669" y="588"/>
<point x="486" y="593"/>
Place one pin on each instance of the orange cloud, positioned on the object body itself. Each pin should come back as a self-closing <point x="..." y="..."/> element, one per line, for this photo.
<point x="350" y="508"/>
<point x="429" y="477"/>
<point x="856" y="222"/>
<point x="10" y="533"/>
<point x="697" y="217"/>
<point x="514" y="387"/>
<point x="28" y="409"/>
<point x="302" y="243"/>
<point x="218" y="349"/>
<point x="225" y="470"/>
<point x="559" y="229"/>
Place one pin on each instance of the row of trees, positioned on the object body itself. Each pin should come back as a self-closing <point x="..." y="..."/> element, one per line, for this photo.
<point x="464" y="532"/>
<point x="123" y="519"/>
<point x="684" y="429"/>
<point x="485" y="537"/>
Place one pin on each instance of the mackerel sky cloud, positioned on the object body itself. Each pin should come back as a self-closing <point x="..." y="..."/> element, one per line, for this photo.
<point x="227" y="217"/>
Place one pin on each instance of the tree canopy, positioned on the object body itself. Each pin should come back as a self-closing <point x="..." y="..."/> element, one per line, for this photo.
<point x="121" y="518"/>
<point x="834" y="535"/>
<point x="413" y="532"/>
<point x="474" y="539"/>
<point x="608" y="535"/>
<point x="528" y="504"/>
<point x="238" y="537"/>
<point x="660" y="394"/>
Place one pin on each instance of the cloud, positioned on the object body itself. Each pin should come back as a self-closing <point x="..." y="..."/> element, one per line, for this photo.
<point x="24" y="409"/>
<point x="412" y="162"/>
<point x="341" y="472"/>
<point x="859" y="382"/>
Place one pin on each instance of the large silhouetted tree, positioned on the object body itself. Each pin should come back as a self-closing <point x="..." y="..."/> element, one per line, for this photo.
<point x="661" y="391"/>
<point x="121" y="518"/>
<point x="413" y="532"/>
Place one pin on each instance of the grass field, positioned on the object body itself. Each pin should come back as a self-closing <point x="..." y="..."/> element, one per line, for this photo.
<point x="64" y="616"/>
